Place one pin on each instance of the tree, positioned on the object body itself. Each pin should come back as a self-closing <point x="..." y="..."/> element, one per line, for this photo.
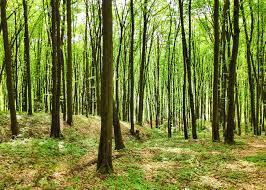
<point x="216" y="54"/>
<point x="186" y="61"/>
<point x="69" y="65"/>
<point x="8" y="65"/>
<point x="131" y="68"/>
<point x="56" y="69"/>
<point x="229" y="133"/>
<point x="119" y="144"/>
<point x="104" y="164"/>
<point x="249" y="60"/>
<point x="143" y="62"/>
<point x="169" y="80"/>
<point x="27" y="58"/>
<point x="157" y="81"/>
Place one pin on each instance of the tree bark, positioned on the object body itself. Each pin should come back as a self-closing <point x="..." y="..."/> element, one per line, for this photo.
<point x="216" y="54"/>
<point x="69" y="66"/>
<point x="9" y="80"/>
<point x="56" y="69"/>
<point x="250" y="77"/>
<point x="104" y="164"/>
<point x="143" y="62"/>
<point x="119" y="144"/>
<point x="229" y="133"/>
<point x="131" y="68"/>
<point x="186" y="62"/>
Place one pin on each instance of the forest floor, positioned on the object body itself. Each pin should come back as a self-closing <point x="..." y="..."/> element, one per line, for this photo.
<point x="35" y="161"/>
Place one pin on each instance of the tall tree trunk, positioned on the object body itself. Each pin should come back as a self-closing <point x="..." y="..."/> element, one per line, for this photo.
<point x="27" y="56"/>
<point x="104" y="164"/>
<point x="131" y="68"/>
<point x="63" y="62"/>
<point x="224" y="35"/>
<point x="9" y="80"/>
<point x="186" y="62"/>
<point x="216" y="54"/>
<point x="56" y="69"/>
<point x="229" y="133"/>
<point x="69" y="65"/>
<point x="248" y="57"/>
<point x="169" y="78"/>
<point x="157" y="86"/>
<point x="119" y="144"/>
<point x="15" y="66"/>
<point x="143" y="62"/>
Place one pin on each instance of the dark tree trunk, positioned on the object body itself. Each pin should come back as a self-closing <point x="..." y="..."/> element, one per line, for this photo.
<point x="143" y="62"/>
<point x="169" y="86"/>
<point x="69" y="66"/>
<point x="104" y="164"/>
<point x="157" y="86"/>
<point x="116" y="123"/>
<point x="216" y="53"/>
<point x="131" y="68"/>
<point x="87" y="74"/>
<point x="224" y="35"/>
<point x="186" y="61"/>
<point x="27" y="56"/>
<point x="56" y="69"/>
<point x="119" y="144"/>
<point x="229" y="133"/>
<point x="250" y="77"/>
<point x="9" y="80"/>
<point x="188" y="64"/>
<point x="238" y="112"/>
<point x="63" y="62"/>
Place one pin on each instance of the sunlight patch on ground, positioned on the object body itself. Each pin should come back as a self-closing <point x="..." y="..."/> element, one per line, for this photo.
<point x="210" y="182"/>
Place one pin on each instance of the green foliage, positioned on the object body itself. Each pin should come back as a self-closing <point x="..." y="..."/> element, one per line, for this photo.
<point x="133" y="179"/>
<point x="186" y="174"/>
<point x="235" y="176"/>
<point x="259" y="159"/>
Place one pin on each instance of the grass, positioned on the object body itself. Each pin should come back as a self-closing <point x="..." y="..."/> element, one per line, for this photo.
<point x="258" y="159"/>
<point x="35" y="161"/>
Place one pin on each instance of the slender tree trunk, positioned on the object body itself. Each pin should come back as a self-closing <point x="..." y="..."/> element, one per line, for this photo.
<point x="185" y="60"/>
<point x="56" y="69"/>
<point x="169" y="91"/>
<point x="229" y="133"/>
<point x="63" y="62"/>
<point x="9" y="80"/>
<point x="250" y="77"/>
<point x="131" y="68"/>
<point x="157" y="86"/>
<point x="224" y="64"/>
<point x="188" y="65"/>
<point x="104" y="164"/>
<point x="69" y="65"/>
<point x="238" y="111"/>
<point x="27" y="56"/>
<point x="87" y="80"/>
<point x="119" y="144"/>
<point x="216" y="53"/>
<point x="15" y="66"/>
<point x="143" y="62"/>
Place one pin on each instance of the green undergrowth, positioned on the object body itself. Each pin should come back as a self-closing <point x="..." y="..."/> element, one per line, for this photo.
<point x="36" y="161"/>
